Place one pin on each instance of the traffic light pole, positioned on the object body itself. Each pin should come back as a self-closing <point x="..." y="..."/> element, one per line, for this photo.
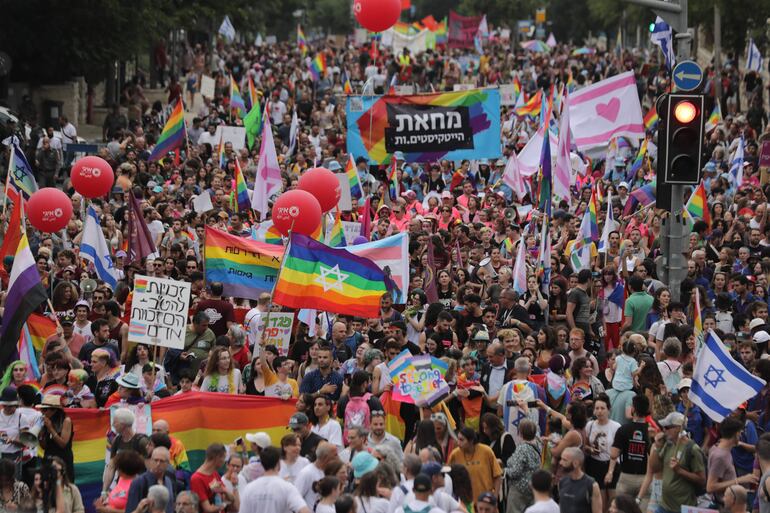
<point x="674" y="227"/>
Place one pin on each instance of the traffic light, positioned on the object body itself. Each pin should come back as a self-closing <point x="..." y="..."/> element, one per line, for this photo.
<point x="682" y="150"/>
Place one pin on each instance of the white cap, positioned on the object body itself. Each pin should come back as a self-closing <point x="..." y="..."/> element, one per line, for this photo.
<point x="623" y="184"/>
<point x="756" y="323"/>
<point x="761" y="337"/>
<point x="261" y="439"/>
<point x="684" y="383"/>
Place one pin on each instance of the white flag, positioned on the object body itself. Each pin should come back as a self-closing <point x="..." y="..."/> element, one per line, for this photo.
<point x="93" y="247"/>
<point x="609" y="226"/>
<point x="719" y="383"/>
<point x="227" y="30"/>
<point x="753" y="57"/>
<point x="268" y="181"/>
<point x="663" y="36"/>
<point x="520" y="268"/>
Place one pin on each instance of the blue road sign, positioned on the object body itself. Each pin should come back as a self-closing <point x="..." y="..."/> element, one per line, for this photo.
<point x="688" y="75"/>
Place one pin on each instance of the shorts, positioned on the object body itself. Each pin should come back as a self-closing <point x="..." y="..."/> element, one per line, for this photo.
<point x="598" y="470"/>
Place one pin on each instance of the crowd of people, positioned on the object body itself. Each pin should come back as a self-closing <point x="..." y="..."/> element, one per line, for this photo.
<point x="562" y="398"/>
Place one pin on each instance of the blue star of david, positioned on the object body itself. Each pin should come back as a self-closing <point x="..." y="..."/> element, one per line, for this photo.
<point x="108" y="261"/>
<point x="519" y="417"/>
<point x="713" y="376"/>
<point x="19" y="173"/>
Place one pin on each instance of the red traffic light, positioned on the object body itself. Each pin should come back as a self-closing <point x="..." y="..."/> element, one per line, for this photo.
<point x="685" y="112"/>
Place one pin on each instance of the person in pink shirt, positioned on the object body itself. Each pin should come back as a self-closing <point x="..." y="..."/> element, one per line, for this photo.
<point x="399" y="219"/>
<point x="413" y="207"/>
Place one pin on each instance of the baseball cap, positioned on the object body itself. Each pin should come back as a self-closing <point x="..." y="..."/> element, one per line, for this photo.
<point x="685" y="383"/>
<point x="261" y="439"/>
<point x="487" y="498"/>
<point x="68" y="320"/>
<point x="399" y="155"/>
<point x="446" y="194"/>
<point x="433" y="468"/>
<point x="761" y="337"/>
<point x="755" y="323"/>
<point x="623" y="184"/>
<point x="120" y="254"/>
<point x="297" y="420"/>
<point x="672" y="419"/>
<point x="422" y="483"/>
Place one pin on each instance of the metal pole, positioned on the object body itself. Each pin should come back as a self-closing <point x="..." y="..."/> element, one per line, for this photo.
<point x="717" y="53"/>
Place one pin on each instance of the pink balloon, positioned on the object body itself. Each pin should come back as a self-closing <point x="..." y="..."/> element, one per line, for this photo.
<point x="92" y="177"/>
<point x="377" y="15"/>
<point x="323" y="184"/>
<point x="296" y="211"/>
<point x="49" y="210"/>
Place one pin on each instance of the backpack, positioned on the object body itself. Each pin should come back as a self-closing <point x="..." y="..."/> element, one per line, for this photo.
<point x="426" y="509"/>
<point x="357" y="413"/>
<point x="673" y="378"/>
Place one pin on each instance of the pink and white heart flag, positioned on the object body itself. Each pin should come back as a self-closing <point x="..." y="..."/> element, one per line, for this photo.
<point x="604" y="110"/>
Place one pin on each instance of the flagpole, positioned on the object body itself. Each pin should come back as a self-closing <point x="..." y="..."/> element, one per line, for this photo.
<point x="8" y="177"/>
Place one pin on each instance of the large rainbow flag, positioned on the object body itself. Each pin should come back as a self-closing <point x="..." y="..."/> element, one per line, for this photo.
<point x="353" y="179"/>
<point x="317" y="67"/>
<point x="197" y="419"/>
<point x="533" y="106"/>
<point x="236" y="100"/>
<point x="242" y="199"/>
<point x="173" y="134"/>
<point x="245" y="267"/>
<point x="329" y="279"/>
<point x="40" y="328"/>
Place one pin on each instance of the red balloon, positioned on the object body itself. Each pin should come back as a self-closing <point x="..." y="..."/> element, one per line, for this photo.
<point x="377" y="15"/>
<point x="296" y="211"/>
<point x="92" y="177"/>
<point x="323" y="184"/>
<point x="49" y="210"/>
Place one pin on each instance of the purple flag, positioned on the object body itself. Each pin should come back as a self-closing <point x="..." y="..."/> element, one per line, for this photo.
<point x="140" y="242"/>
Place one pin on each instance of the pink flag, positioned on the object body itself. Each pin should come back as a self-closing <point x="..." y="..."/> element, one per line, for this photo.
<point x="268" y="181"/>
<point x="520" y="268"/>
<point x="606" y="109"/>
<point x="513" y="179"/>
<point x="563" y="170"/>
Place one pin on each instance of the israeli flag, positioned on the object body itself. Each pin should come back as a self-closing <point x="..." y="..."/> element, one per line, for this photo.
<point x="736" y="165"/>
<point x="227" y="30"/>
<point x="93" y="247"/>
<point x="753" y="57"/>
<point x="663" y="36"/>
<point x="719" y="383"/>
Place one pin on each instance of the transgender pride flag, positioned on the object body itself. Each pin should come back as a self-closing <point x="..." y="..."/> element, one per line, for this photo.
<point x="393" y="253"/>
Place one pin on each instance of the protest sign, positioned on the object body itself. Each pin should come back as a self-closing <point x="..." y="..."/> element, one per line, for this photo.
<point x="507" y="95"/>
<point x="208" y="86"/>
<point x="352" y="230"/>
<point x="425" y="127"/>
<point x="202" y="203"/>
<point x="764" y="163"/>
<point x="235" y="135"/>
<point x="277" y="332"/>
<point x="159" y="312"/>
<point x="418" y="379"/>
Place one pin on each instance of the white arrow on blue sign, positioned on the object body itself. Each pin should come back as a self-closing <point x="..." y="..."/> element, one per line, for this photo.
<point x="688" y="75"/>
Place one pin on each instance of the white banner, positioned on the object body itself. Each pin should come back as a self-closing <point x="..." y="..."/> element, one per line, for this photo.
<point x="507" y="95"/>
<point x="352" y="230"/>
<point x="416" y="44"/>
<point x="159" y="312"/>
<point x="604" y="110"/>
<point x="208" y="86"/>
<point x="235" y="135"/>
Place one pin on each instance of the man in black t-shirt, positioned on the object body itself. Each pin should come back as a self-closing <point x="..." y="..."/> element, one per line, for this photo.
<point x="300" y="424"/>
<point x="631" y="445"/>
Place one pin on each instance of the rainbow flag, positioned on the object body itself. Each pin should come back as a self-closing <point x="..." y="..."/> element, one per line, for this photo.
<point x="336" y="236"/>
<point x="697" y="206"/>
<point x="318" y="67"/>
<point x="329" y="279"/>
<point x="221" y="155"/>
<point x="651" y="118"/>
<point x="715" y="118"/>
<point x="266" y="232"/>
<point x="197" y="419"/>
<point x="301" y="41"/>
<point x="570" y="82"/>
<point x="40" y="327"/>
<point x="643" y="196"/>
<point x="243" y="202"/>
<point x="353" y="179"/>
<point x="593" y="208"/>
<point x="173" y="135"/>
<point x="516" y="86"/>
<point x="636" y="165"/>
<point x="236" y="100"/>
<point x="393" y="181"/>
<point x="697" y="321"/>
<point x="347" y="88"/>
<point x="28" y="355"/>
<point x="253" y="96"/>
<point x="245" y="267"/>
<point x="532" y="107"/>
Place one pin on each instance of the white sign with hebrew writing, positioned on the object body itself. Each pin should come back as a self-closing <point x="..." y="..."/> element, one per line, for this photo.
<point x="159" y="312"/>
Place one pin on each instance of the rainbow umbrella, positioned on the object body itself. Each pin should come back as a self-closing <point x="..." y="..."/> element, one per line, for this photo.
<point x="584" y="51"/>
<point x="535" y="45"/>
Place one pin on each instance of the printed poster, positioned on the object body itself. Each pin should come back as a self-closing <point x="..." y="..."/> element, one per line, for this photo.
<point x="159" y="312"/>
